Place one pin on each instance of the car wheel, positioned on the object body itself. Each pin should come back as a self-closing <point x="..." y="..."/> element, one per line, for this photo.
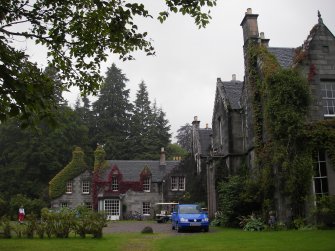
<point x="173" y="227"/>
<point x="206" y="229"/>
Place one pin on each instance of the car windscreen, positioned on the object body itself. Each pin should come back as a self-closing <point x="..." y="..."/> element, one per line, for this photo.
<point x="190" y="209"/>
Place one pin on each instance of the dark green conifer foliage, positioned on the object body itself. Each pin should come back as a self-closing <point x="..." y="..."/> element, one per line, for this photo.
<point x="112" y="113"/>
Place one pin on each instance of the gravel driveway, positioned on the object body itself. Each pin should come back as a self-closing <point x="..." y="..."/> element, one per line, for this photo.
<point x="137" y="226"/>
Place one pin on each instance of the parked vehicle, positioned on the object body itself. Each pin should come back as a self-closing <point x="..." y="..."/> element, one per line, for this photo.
<point x="189" y="216"/>
<point x="164" y="210"/>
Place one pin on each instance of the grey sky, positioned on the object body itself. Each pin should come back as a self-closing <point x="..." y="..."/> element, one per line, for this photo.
<point x="182" y="76"/>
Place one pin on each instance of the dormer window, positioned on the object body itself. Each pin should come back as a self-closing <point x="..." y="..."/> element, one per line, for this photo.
<point x="115" y="184"/>
<point x="146" y="184"/>
<point x="69" y="187"/>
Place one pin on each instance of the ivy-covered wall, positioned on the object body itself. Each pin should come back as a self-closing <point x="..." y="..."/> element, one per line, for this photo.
<point x="57" y="186"/>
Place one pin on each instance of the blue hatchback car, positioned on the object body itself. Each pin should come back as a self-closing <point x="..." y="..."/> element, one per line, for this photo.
<point x="189" y="216"/>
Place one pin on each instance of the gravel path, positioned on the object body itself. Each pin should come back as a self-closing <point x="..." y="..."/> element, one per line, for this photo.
<point x="137" y="226"/>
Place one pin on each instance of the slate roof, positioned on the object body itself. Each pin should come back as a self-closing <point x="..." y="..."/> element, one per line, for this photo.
<point x="284" y="55"/>
<point x="205" y="141"/>
<point x="131" y="169"/>
<point x="231" y="91"/>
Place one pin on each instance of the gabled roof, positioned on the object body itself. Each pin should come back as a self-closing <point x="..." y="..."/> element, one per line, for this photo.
<point x="230" y="92"/>
<point x="319" y="27"/>
<point x="284" y="56"/>
<point x="205" y="141"/>
<point x="131" y="169"/>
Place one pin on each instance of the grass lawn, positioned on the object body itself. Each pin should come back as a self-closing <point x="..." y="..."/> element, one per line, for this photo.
<point x="223" y="239"/>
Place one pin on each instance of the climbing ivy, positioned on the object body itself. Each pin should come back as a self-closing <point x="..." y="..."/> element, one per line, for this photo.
<point x="284" y="141"/>
<point x="57" y="186"/>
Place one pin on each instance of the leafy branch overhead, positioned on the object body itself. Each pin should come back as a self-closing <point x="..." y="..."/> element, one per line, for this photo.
<point x="78" y="36"/>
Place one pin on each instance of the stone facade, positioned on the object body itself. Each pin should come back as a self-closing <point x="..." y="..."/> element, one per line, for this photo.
<point x="120" y="188"/>
<point x="233" y="117"/>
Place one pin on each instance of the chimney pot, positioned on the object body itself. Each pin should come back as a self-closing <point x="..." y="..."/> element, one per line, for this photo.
<point x="206" y="125"/>
<point x="249" y="11"/>
<point x="234" y="77"/>
<point x="195" y="118"/>
<point x="162" y="157"/>
<point x="262" y="35"/>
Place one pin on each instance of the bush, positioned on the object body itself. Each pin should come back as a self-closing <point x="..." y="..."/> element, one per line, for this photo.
<point x="251" y="223"/>
<point x="325" y="211"/>
<point x="6" y="227"/>
<point x="147" y="230"/>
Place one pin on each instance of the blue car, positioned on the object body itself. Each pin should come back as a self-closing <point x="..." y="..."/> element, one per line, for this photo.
<point x="189" y="216"/>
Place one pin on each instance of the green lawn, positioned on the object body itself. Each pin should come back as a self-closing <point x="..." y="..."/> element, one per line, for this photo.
<point x="223" y="239"/>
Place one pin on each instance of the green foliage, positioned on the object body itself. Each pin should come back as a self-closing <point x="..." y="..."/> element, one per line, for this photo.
<point x="325" y="211"/>
<point x="175" y="150"/>
<point x="281" y="100"/>
<point x="57" y="185"/>
<point x="149" y="129"/>
<point x="112" y="110"/>
<point x="287" y="104"/>
<point x="251" y="223"/>
<point x="78" y="36"/>
<point x="237" y="197"/>
<point x="31" y="206"/>
<point x="6" y="227"/>
<point x="184" y="137"/>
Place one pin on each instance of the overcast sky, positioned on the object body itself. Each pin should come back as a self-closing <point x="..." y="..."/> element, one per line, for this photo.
<point x="182" y="76"/>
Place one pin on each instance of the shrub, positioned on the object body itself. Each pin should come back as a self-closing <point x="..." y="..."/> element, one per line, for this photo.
<point x="147" y="230"/>
<point x="251" y="223"/>
<point x="325" y="211"/>
<point x="6" y="227"/>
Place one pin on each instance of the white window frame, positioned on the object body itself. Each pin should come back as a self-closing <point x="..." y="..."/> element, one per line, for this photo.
<point x="178" y="183"/>
<point x="69" y="186"/>
<point x="115" y="184"/>
<point x="85" y="187"/>
<point x="146" y="208"/>
<point x="321" y="176"/>
<point x="112" y="207"/>
<point x="147" y="184"/>
<point x="181" y="183"/>
<point x="64" y="204"/>
<point x="174" y="183"/>
<point x="328" y="98"/>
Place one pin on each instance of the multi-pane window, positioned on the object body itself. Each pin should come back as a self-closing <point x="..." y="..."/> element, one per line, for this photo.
<point x="320" y="174"/>
<point x="178" y="183"/>
<point x="174" y="183"/>
<point x="69" y="186"/>
<point x="88" y="205"/>
<point x="328" y="98"/>
<point x="85" y="187"/>
<point x="115" y="184"/>
<point x="181" y="183"/>
<point x="146" y="208"/>
<point x="146" y="184"/>
<point x="64" y="204"/>
<point x="112" y="207"/>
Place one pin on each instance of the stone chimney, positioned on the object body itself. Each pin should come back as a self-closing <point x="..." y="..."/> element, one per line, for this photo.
<point x="249" y="26"/>
<point x="233" y="77"/>
<point x="162" y="161"/>
<point x="196" y="123"/>
<point x="264" y="41"/>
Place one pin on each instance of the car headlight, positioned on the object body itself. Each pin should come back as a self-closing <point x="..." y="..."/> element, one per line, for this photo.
<point x="204" y="220"/>
<point x="183" y="220"/>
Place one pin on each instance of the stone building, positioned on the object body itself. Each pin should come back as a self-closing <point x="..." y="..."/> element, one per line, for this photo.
<point x="234" y="130"/>
<point x="118" y="187"/>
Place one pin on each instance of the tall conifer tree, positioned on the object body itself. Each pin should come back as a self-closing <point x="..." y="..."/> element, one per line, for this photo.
<point x="112" y="113"/>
